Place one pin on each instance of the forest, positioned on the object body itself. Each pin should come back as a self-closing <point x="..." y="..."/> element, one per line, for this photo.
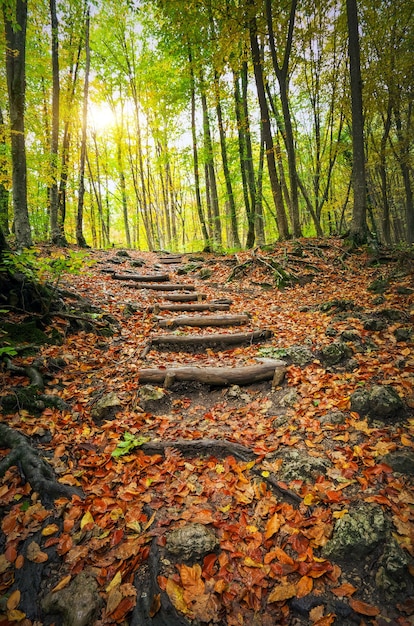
<point x="216" y="124"/>
<point x="206" y="313"/>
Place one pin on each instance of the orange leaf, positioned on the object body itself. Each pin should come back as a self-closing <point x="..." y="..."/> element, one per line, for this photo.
<point x="346" y="589"/>
<point x="51" y="529"/>
<point x="62" y="584"/>
<point x="272" y="526"/>
<point x="280" y="555"/>
<point x="35" y="554"/>
<point x="155" y="605"/>
<point x="304" y="586"/>
<point x="363" y="608"/>
<point x="13" y="601"/>
<point x="19" y="562"/>
<point x="282" y="592"/>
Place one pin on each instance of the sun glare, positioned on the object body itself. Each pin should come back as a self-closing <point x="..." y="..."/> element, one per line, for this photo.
<point x="101" y="117"/>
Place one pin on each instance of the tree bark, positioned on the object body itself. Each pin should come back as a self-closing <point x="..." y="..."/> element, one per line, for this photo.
<point x="4" y="194"/>
<point x="143" y="278"/>
<point x="281" y="218"/>
<point x="81" y="192"/>
<point x="54" y="143"/>
<point x="359" y="228"/>
<point x="15" y="31"/>
<point x="203" y="320"/>
<point x="217" y="376"/>
<point x="282" y="77"/>
<point x="190" y="342"/>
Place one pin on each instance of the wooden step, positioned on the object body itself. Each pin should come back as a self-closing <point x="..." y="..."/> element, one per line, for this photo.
<point x="203" y="320"/>
<point x="161" y="287"/>
<point x="189" y="307"/>
<point x="217" y="376"/>
<point x="185" y="297"/>
<point x="143" y="278"/>
<point x="201" y="342"/>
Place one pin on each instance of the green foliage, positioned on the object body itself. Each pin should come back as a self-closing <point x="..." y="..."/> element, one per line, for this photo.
<point x="129" y="443"/>
<point x="42" y="269"/>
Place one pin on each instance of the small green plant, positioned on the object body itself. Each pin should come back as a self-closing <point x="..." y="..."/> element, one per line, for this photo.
<point x="7" y="351"/>
<point x="272" y="353"/>
<point x="129" y="443"/>
<point x="43" y="269"/>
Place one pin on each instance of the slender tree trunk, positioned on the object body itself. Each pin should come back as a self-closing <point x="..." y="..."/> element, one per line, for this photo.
<point x="123" y="189"/>
<point x="259" y="214"/>
<point x="4" y="194"/>
<point x="199" y="205"/>
<point x="386" y="222"/>
<point x="281" y="218"/>
<point x="81" y="192"/>
<point x="208" y="148"/>
<point x="54" y="144"/>
<point x="15" y="30"/>
<point x="226" y="169"/>
<point x="359" y="228"/>
<point x="404" y="161"/>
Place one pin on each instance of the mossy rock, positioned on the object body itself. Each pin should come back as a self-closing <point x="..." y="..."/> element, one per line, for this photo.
<point x="357" y="533"/>
<point x="26" y="332"/>
<point x="335" y="352"/>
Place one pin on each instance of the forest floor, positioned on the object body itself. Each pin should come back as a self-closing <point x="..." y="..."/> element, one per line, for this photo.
<point x="298" y="507"/>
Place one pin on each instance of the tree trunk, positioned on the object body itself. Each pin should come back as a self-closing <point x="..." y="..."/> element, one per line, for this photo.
<point x="226" y="169"/>
<point x="195" y="156"/>
<point x="282" y="77"/>
<point x="54" y="144"/>
<point x="281" y="218"/>
<point x="210" y="170"/>
<point x="81" y="192"/>
<point x="15" y="31"/>
<point x="123" y="189"/>
<point x="359" y="228"/>
<point x="4" y="194"/>
<point x="404" y="161"/>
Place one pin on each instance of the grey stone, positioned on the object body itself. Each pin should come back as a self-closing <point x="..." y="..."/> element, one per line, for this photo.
<point x="205" y="273"/>
<point x="192" y="541"/>
<point x="333" y="417"/>
<point x="393" y="569"/>
<point x="106" y="407"/>
<point x="384" y="401"/>
<point x="350" y="335"/>
<point x="357" y="533"/>
<point x="78" y="604"/>
<point x="401" y="461"/>
<point x="299" y="355"/>
<point x="298" y="465"/>
<point x="403" y="334"/>
<point x="381" y="401"/>
<point x="335" y="352"/>
<point x="373" y="323"/>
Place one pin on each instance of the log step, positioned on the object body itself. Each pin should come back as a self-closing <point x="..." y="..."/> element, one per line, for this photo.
<point x="203" y="320"/>
<point x="143" y="278"/>
<point x="185" y="297"/>
<point x="217" y="376"/>
<point x="188" y="307"/>
<point x="161" y="287"/>
<point x="170" y="261"/>
<point x="194" y="342"/>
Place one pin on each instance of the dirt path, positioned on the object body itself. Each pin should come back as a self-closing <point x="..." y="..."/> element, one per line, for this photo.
<point x="269" y="501"/>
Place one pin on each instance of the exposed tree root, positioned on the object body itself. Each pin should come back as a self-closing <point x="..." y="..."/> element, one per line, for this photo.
<point x="34" y="469"/>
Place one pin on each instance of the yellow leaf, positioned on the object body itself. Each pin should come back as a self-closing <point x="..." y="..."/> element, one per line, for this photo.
<point x="282" y="592"/>
<point x="86" y="519"/>
<point x="272" y="526"/>
<point x="339" y="514"/>
<point x="63" y="583"/>
<point x="115" y="582"/>
<point x="13" y="601"/>
<point x="51" y="529"/>
<point x="219" y="468"/>
<point x="406" y="441"/>
<point x="16" y="616"/>
<point x="250" y="563"/>
<point x="251" y="528"/>
<point x="265" y="474"/>
<point x="225" y="509"/>
<point x="309" y="499"/>
<point x="176" y="595"/>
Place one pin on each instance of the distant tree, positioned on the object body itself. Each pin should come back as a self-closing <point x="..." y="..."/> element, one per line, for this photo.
<point x="15" y="22"/>
<point x="4" y="194"/>
<point x="359" y="228"/>
<point x="81" y="191"/>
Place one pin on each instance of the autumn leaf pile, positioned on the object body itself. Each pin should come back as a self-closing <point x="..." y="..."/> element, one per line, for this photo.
<point x="269" y="548"/>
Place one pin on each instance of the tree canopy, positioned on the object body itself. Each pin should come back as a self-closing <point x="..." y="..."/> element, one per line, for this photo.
<point x="215" y="124"/>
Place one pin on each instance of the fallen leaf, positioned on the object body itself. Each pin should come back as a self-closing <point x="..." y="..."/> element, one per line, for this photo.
<point x="346" y="589"/>
<point x="14" y="600"/>
<point x="115" y="582"/>
<point x="304" y="586"/>
<point x="363" y="608"/>
<point x="63" y="583"/>
<point x="87" y="519"/>
<point x="16" y="616"/>
<point x="176" y="595"/>
<point x="35" y="554"/>
<point x="155" y="605"/>
<point x="272" y="526"/>
<point x="51" y="529"/>
<point x="282" y="592"/>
